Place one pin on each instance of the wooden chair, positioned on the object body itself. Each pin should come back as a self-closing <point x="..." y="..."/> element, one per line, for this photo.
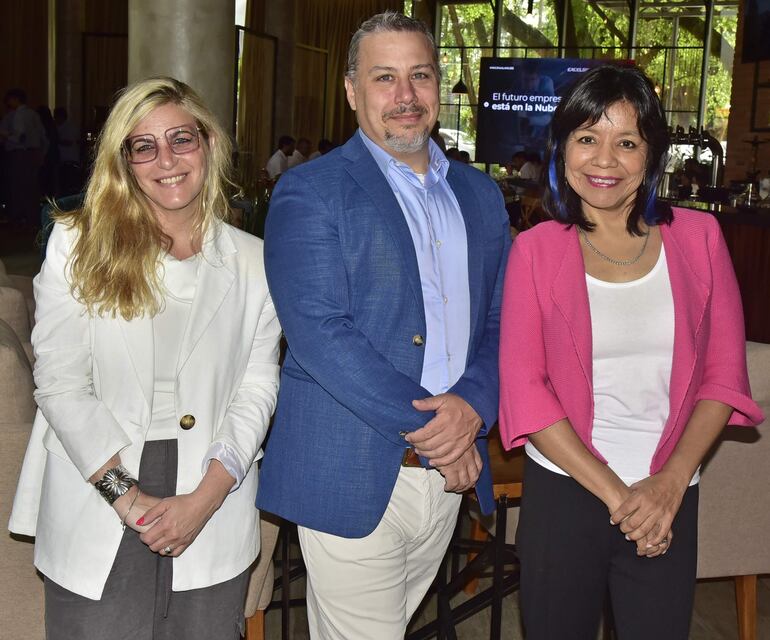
<point x="531" y="208"/>
<point x="734" y="510"/>
<point x="260" y="591"/>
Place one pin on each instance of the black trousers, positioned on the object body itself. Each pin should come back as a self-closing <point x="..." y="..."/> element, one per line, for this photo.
<point x="137" y="602"/>
<point x="571" y="556"/>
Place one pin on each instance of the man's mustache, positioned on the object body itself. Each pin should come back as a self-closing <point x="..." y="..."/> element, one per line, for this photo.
<point x="404" y="108"/>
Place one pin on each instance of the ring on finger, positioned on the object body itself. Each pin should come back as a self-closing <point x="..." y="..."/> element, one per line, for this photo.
<point x="167" y="550"/>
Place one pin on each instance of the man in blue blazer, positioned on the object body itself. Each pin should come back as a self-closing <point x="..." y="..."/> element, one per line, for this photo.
<point x="385" y="263"/>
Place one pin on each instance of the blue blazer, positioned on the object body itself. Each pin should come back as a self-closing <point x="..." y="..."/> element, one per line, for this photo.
<point x="343" y="275"/>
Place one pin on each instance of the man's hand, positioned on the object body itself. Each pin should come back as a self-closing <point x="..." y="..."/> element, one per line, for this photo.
<point x="450" y="433"/>
<point x="462" y="474"/>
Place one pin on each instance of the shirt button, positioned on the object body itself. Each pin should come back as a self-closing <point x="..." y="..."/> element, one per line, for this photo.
<point x="187" y="422"/>
<point x="418" y="340"/>
<point x="446" y="299"/>
<point x="438" y="243"/>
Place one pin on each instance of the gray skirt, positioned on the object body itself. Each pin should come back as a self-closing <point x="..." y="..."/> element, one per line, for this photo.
<point x="138" y="603"/>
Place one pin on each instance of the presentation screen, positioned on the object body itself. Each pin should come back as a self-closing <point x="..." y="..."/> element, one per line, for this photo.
<point x="517" y="97"/>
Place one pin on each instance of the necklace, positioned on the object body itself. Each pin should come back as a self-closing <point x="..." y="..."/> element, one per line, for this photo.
<point x="619" y="263"/>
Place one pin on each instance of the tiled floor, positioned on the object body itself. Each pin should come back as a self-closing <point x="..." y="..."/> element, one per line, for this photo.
<point x="714" y="617"/>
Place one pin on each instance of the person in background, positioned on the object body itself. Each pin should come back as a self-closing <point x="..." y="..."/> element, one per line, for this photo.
<point x="23" y="136"/>
<point x="518" y="160"/>
<point x="324" y="146"/>
<point x="69" y="153"/>
<point x="156" y="369"/>
<point x="453" y="153"/>
<point x="464" y="157"/>
<point x="279" y="162"/>
<point x="532" y="168"/>
<point x="385" y="261"/>
<point x="301" y="152"/>
<point x="622" y="357"/>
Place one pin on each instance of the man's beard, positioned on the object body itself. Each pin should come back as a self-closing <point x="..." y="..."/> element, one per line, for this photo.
<point x="413" y="139"/>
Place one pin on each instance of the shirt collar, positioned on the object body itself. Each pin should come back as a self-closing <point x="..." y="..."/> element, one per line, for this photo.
<point x="438" y="165"/>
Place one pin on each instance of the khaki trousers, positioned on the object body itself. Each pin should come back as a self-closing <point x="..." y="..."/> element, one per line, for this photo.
<point x="370" y="587"/>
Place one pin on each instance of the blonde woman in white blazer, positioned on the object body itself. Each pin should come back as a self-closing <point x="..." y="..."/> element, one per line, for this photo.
<point x="157" y="371"/>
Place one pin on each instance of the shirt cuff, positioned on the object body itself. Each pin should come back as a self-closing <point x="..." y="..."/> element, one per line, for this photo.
<point x="226" y="456"/>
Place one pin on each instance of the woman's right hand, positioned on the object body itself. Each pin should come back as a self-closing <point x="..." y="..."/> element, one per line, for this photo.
<point x="138" y="507"/>
<point x="619" y="495"/>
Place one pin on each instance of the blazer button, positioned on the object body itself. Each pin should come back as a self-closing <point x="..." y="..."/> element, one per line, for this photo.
<point x="187" y="422"/>
<point x="418" y="340"/>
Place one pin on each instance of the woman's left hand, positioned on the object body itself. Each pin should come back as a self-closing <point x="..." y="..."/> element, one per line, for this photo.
<point x="650" y="509"/>
<point x="179" y="519"/>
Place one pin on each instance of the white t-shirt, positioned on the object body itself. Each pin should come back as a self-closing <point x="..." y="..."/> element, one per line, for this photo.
<point x="530" y="171"/>
<point x="632" y="328"/>
<point x="296" y="158"/>
<point x="277" y="164"/>
<point x="179" y="279"/>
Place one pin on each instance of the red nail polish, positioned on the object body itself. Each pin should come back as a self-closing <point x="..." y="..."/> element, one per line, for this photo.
<point x="140" y="522"/>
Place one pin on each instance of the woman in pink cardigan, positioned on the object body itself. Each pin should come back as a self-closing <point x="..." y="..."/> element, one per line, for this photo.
<point x="622" y="357"/>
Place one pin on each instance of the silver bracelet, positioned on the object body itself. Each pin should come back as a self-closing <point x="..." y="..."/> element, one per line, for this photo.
<point x="114" y="483"/>
<point x="131" y="506"/>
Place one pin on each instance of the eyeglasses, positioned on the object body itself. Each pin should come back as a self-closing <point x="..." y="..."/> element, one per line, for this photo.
<point x="144" y="147"/>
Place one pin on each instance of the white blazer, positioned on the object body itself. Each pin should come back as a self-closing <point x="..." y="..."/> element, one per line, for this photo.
<point x="95" y="377"/>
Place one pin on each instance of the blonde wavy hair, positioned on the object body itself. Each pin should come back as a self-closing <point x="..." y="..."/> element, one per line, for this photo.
<point x="115" y="260"/>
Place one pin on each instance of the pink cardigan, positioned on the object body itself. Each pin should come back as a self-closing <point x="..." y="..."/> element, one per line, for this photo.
<point x="545" y="333"/>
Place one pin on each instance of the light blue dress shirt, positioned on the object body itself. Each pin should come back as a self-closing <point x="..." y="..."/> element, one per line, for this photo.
<point x="438" y="232"/>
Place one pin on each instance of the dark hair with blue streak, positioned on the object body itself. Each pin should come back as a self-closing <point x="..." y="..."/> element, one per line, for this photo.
<point x="585" y="103"/>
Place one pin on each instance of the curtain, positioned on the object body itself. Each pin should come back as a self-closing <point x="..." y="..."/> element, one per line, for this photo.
<point x="310" y="88"/>
<point x="255" y="95"/>
<point x="105" y="62"/>
<point x="24" y="62"/>
<point x="329" y="25"/>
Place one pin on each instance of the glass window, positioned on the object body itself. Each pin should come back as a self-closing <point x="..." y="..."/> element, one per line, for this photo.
<point x="240" y="12"/>
<point x="599" y="29"/>
<point x="467" y="24"/>
<point x="720" y="76"/>
<point x="534" y="30"/>
<point x="668" y="47"/>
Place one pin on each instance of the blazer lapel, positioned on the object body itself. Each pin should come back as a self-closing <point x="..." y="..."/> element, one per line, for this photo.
<point x="215" y="280"/>
<point x="690" y="296"/>
<point x="364" y="170"/>
<point x="569" y="293"/>
<point x="469" y="207"/>
<point x="141" y="348"/>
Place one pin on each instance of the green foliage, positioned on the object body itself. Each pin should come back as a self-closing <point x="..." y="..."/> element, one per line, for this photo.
<point x="669" y="47"/>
